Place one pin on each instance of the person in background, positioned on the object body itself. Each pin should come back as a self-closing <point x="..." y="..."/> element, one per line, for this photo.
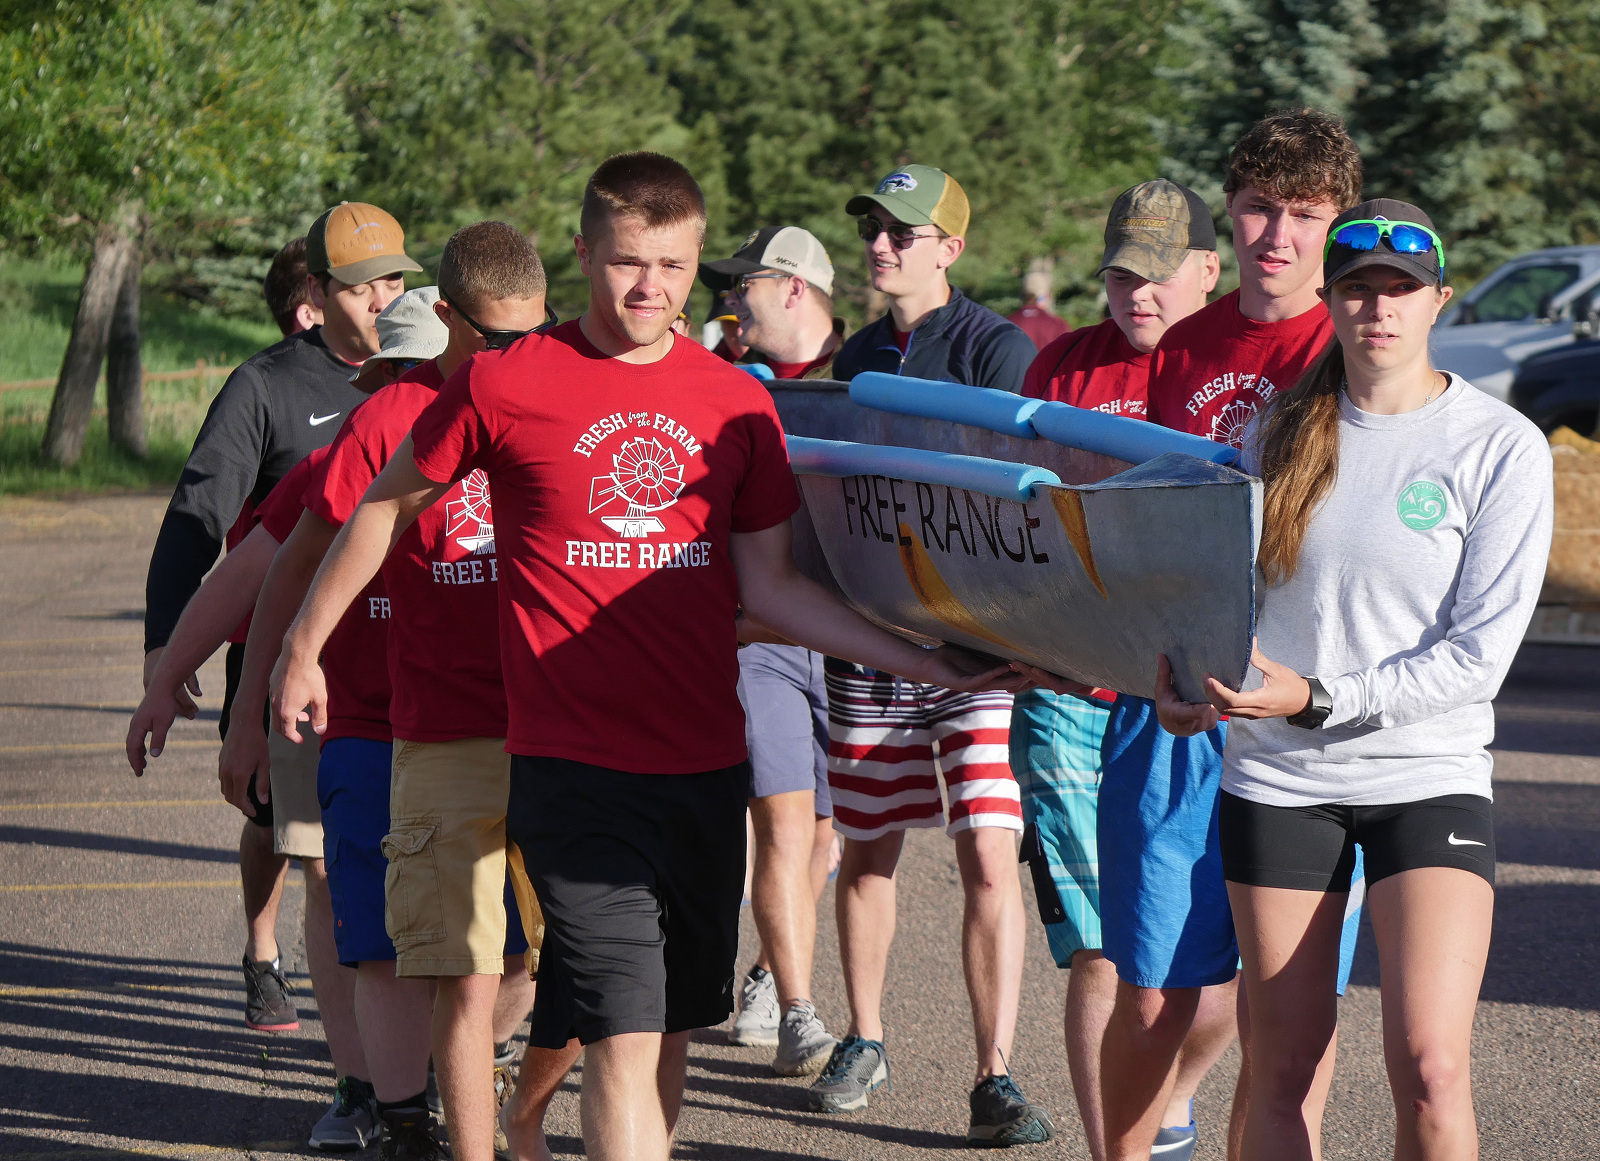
<point x="1406" y="528"/>
<point x="1165" y="918"/>
<point x="276" y="407"/>
<point x="720" y="335"/>
<point x="914" y="227"/>
<point x="781" y="295"/>
<point x="287" y="293"/>
<point x="1159" y="264"/>
<point x="891" y="741"/>
<point x="1037" y="316"/>
<point x="782" y="285"/>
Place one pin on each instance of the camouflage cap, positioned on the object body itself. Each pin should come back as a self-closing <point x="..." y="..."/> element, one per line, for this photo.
<point x="1153" y="226"/>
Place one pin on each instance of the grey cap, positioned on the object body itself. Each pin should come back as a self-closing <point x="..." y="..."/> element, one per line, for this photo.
<point x="408" y="328"/>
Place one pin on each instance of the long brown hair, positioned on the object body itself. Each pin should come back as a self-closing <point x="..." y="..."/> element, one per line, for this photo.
<point x="1299" y="445"/>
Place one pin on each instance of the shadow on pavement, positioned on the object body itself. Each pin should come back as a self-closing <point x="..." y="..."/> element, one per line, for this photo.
<point x="78" y="840"/>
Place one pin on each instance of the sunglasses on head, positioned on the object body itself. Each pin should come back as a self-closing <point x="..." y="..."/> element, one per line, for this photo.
<point x="901" y="236"/>
<point x="499" y="340"/>
<point x="1403" y="238"/>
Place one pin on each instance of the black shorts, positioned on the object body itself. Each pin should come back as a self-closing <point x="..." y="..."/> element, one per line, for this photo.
<point x="640" y="878"/>
<point x="1313" y="848"/>
<point x="233" y="669"/>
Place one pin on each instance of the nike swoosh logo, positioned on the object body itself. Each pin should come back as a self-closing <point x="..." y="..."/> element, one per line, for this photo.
<point x="1455" y="842"/>
<point x="318" y="420"/>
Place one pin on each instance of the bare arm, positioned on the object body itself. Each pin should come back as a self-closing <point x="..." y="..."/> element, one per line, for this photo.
<point x="244" y="751"/>
<point x="212" y="613"/>
<point x="397" y="497"/>
<point x="777" y="596"/>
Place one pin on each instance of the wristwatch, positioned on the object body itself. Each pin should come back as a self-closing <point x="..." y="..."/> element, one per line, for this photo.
<point x="1317" y="709"/>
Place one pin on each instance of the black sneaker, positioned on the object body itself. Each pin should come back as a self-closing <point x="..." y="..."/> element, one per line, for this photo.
<point x="856" y="1069"/>
<point x="267" y="1007"/>
<point x="1002" y="1116"/>
<point x="411" y="1135"/>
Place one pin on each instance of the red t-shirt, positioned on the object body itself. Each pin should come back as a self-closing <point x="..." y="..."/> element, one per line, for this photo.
<point x="358" y="687"/>
<point x="1092" y="367"/>
<point x="1039" y="325"/>
<point x="444" y="628"/>
<point x="1215" y="369"/>
<point x="616" y="486"/>
<point x="799" y="370"/>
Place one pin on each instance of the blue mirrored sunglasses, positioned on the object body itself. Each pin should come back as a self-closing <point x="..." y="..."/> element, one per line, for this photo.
<point x="1403" y="237"/>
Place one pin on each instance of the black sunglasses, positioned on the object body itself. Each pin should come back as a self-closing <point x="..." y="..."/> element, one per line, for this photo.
<point x="499" y="340"/>
<point x="901" y="236"/>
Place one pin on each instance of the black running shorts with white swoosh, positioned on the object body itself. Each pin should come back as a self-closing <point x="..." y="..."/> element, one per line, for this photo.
<point x="1312" y="848"/>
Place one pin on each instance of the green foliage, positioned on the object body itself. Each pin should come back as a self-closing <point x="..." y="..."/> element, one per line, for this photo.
<point x="1480" y="112"/>
<point x="1039" y="110"/>
<point x="202" y="111"/>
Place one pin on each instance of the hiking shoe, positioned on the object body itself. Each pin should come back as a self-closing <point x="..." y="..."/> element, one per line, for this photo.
<point x="756" y="1025"/>
<point x="856" y="1067"/>
<point x="411" y="1135"/>
<point x="267" y="1007"/>
<point x="1002" y="1116"/>
<point x="504" y="1082"/>
<point x="804" y="1045"/>
<point x="1175" y="1144"/>
<point x="352" y="1122"/>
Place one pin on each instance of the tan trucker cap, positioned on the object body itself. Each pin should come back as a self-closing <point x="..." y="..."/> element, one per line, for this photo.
<point x="356" y="242"/>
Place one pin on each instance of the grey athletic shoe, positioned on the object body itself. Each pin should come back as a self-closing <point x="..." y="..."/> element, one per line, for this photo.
<point x="756" y="1024"/>
<point x="352" y="1122"/>
<point x="267" y="1003"/>
<point x="856" y="1068"/>
<point x="804" y="1045"/>
<point x="1002" y="1116"/>
<point x="1174" y="1144"/>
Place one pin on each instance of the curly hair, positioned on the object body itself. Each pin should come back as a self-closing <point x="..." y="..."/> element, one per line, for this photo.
<point x="1298" y="155"/>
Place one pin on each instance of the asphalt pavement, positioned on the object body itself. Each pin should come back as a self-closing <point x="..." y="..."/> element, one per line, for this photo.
<point x="121" y="932"/>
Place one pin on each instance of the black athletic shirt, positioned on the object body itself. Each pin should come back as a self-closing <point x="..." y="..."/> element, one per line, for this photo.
<point x="275" y="409"/>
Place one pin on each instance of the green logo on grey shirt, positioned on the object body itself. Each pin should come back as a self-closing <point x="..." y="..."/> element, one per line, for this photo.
<point x="1421" y="505"/>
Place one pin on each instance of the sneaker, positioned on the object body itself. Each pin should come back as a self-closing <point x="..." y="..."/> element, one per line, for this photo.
<point x="756" y="1025"/>
<point x="505" y="1081"/>
<point x="435" y="1101"/>
<point x="267" y="1007"/>
<point x="352" y="1122"/>
<point x="804" y="1045"/>
<point x="856" y="1068"/>
<point x="1002" y="1116"/>
<point x="411" y="1135"/>
<point x="1175" y="1144"/>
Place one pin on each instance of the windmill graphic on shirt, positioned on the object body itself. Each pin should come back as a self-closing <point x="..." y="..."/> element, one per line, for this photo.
<point x="472" y="514"/>
<point x="647" y="477"/>
<point x="1230" y="423"/>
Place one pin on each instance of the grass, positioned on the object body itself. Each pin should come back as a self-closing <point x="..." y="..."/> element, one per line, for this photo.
<point x="38" y="299"/>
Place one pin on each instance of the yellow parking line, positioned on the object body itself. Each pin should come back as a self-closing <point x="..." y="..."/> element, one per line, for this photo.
<point x="187" y="883"/>
<point x="90" y="747"/>
<point x="20" y="641"/>
<point x="71" y="669"/>
<point x="87" y="1152"/>
<point x="21" y="993"/>
<point x="219" y="801"/>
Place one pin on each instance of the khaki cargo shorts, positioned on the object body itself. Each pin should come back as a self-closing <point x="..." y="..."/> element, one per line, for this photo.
<point x="444" y="894"/>
<point x="296" y="809"/>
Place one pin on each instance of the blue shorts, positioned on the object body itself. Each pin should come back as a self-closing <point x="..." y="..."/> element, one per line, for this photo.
<point x="1165" y="917"/>
<point x="353" y="788"/>
<point x="1164" y="908"/>
<point x="1055" y="754"/>
<point x="785" y="722"/>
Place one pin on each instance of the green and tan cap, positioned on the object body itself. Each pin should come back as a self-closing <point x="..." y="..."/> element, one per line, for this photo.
<point x="919" y="195"/>
<point x="355" y="243"/>
<point x="1152" y="228"/>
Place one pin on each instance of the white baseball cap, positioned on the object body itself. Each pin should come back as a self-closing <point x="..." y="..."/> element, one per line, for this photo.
<point x="786" y="249"/>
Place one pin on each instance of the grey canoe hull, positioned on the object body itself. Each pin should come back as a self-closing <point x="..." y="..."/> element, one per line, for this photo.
<point x="1092" y="577"/>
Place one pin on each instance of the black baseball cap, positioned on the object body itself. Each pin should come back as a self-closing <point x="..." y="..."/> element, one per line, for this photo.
<point x="1341" y="261"/>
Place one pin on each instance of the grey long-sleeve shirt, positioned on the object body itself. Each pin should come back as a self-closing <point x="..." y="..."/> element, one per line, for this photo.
<point x="1416" y="582"/>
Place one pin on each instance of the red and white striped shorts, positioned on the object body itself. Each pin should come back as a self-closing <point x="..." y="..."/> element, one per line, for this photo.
<point x="890" y="739"/>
